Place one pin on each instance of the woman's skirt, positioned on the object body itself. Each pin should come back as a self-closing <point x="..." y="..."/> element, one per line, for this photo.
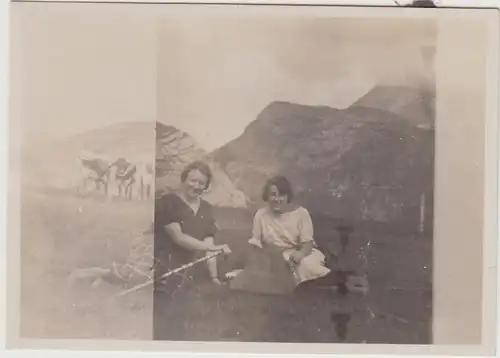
<point x="309" y="268"/>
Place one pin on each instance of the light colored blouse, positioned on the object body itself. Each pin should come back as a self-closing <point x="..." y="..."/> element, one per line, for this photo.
<point x="288" y="230"/>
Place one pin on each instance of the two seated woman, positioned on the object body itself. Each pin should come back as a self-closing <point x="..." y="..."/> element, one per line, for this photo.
<point x="185" y="227"/>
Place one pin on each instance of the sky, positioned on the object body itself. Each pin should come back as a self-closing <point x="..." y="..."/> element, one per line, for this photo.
<point x="78" y="67"/>
<point x="209" y="77"/>
<point x="215" y="76"/>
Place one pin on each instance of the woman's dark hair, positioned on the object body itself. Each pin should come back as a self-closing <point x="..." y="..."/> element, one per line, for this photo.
<point x="197" y="165"/>
<point x="282" y="184"/>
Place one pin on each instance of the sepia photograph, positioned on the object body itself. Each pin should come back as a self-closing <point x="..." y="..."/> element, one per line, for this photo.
<point x="252" y="175"/>
<point x="302" y="150"/>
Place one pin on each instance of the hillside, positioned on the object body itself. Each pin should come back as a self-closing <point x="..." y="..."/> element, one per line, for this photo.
<point x="56" y="165"/>
<point x="356" y="164"/>
<point x="417" y="106"/>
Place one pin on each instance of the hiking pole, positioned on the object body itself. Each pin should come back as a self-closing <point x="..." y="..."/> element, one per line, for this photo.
<point x="169" y="273"/>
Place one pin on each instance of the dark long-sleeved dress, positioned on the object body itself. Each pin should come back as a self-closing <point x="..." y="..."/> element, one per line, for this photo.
<point x="168" y="255"/>
<point x="172" y="209"/>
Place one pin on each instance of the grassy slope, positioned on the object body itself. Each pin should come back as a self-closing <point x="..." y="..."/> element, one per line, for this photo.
<point x="55" y="239"/>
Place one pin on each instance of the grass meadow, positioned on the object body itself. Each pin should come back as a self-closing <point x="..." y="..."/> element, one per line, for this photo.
<point x="61" y="232"/>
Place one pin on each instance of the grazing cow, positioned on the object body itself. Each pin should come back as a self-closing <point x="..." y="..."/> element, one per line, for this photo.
<point x="94" y="170"/>
<point x="124" y="173"/>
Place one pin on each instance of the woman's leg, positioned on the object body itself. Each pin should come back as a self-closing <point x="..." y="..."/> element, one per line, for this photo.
<point x="212" y="264"/>
<point x="310" y="267"/>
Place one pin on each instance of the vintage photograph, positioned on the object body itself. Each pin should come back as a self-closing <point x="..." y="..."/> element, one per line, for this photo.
<point x="294" y="180"/>
<point x="249" y="176"/>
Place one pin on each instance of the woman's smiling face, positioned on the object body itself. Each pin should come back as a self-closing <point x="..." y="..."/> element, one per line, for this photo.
<point x="276" y="200"/>
<point x="195" y="184"/>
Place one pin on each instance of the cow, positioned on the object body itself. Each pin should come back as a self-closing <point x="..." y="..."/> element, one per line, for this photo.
<point x="117" y="176"/>
<point x="95" y="170"/>
<point x="123" y="173"/>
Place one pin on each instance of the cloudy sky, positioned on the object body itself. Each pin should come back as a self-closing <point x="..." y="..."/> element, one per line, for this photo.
<point x="216" y="75"/>
<point x="210" y="76"/>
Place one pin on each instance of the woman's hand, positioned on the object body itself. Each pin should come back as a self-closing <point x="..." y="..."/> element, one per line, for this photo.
<point x="224" y="248"/>
<point x="304" y="250"/>
<point x="296" y="257"/>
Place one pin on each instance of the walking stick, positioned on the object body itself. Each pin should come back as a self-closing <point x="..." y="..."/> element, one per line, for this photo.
<point x="169" y="273"/>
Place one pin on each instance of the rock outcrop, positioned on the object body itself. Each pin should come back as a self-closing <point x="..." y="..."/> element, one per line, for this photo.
<point x="361" y="163"/>
<point x="176" y="149"/>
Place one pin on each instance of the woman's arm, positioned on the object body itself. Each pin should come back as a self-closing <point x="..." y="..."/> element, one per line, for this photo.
<point x="306" y="248"/>
<point x="299" y="254"/>
<point x="306" y="233"/>
<point x="256" y="238"/>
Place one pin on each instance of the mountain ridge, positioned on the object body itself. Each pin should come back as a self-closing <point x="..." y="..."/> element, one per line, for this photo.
<point x="359" y="163"/>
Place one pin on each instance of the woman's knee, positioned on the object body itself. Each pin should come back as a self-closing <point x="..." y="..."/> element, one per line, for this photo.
<point x="209" y="240"/>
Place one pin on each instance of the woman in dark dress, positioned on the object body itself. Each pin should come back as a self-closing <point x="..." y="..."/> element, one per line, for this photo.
<point x="184" y="230"/>
<point x="185" y="226"/>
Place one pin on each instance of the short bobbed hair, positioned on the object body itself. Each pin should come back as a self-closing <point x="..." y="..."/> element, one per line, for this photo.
<point x="282" y="184"/>
<point x="202" y="167"/>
